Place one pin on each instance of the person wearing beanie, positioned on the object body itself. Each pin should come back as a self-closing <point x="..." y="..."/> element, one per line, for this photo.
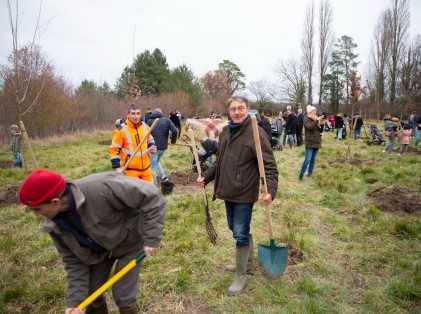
<point x="125" y="142"/>
<point x="96" y="223"/>
<point x="235" y="173"/>
<point x="313" y="127"/>
<point x="16" y="144"/>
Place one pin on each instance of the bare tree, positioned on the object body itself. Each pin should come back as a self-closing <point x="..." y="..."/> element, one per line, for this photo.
<point x="380" y="52"/>
<point x="25" y="66"/>
<point x="262" y="92"/>
<point x="307" y="49"/>
<point x="216" y="88"/>
<point x="292" y="80"/>
<point x="326" y="41"/>
<point x="399" y="27"/>
<point x="410" y="74"/>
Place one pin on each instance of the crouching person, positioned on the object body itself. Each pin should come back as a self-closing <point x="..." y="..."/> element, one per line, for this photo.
<point x="96" y="222"/>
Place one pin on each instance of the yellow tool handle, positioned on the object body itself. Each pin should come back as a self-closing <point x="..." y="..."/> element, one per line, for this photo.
<point x="106" y="285"/>
<point x="262" y="172"/>
<point x="140" y="145"/>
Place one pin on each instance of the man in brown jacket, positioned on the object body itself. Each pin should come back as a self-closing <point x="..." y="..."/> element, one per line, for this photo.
<point x="96" y="222"/>
<point x="236" y="176"/>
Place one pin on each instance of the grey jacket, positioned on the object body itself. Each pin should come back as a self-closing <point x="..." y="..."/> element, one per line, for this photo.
<point x="236" y="172"/>
<point x="120" y="213"/>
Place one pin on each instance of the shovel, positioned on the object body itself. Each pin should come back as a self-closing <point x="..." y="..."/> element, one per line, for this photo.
<point x="208" y="222"/>
<point x="272" y="259"/>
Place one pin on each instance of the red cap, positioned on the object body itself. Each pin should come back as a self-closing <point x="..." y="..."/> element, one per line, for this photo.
<point x="41" y="186"/>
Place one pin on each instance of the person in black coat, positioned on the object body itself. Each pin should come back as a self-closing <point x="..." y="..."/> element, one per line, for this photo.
<point x="160" y="134"/>
<point x="339" y="126"/>
<point x="176" y="121"/>
<point x="291" y="127"/>
<point x="265" y="125"/>
<point x="299" y="122"/>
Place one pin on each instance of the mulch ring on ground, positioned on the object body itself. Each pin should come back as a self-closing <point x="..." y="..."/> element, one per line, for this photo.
<point x="396" y="200"/>
<point x="9" y="196"/>
<point x="352" y="161"/>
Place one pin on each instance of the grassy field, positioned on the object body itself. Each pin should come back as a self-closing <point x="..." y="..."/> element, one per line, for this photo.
<point x="353" y="232"/>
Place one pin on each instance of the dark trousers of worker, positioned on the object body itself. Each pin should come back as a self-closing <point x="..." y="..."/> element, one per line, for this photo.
<point x="124" y="290"/>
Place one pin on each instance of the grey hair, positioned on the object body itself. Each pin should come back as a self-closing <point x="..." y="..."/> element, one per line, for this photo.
<point x="239" y="99"/>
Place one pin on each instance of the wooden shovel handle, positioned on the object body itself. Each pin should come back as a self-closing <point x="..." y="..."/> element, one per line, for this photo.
<point x="196" y="158"/>
<point x="140" y="145"/>
<point x="262" y="172"/>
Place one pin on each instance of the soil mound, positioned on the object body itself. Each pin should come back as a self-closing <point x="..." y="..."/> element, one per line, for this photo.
<point x="9" y="196"/>
<point x="397" y="200"/>
<point x="6" y="164"/>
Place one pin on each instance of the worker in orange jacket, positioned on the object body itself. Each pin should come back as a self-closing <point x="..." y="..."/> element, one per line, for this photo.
<point x="125" y="142"/>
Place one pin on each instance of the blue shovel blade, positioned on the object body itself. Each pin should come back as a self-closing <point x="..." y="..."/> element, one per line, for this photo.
<point x="272" y="259"/>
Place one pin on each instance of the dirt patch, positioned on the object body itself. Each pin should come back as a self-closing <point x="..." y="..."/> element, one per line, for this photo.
<point x="410" y="150"/>
<point x="295" y="255"/>
<point x="107" y="142"/>
<point x="9" y="196"/>
<point x="6" y="164"/>
<point x="396" y="200"/>
<point x="185" y="183"/>
<point x="352" y="161"/>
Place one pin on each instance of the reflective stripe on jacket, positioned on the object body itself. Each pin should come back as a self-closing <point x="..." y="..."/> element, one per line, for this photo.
<point x="125" y="142"/>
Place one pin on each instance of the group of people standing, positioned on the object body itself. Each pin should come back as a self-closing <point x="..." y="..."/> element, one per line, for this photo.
<point x="291" y="124"/>
<point x="109" y="218"/>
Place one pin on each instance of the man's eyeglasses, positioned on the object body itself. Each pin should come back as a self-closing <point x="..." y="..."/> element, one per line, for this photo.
<point x="239" y="109"/>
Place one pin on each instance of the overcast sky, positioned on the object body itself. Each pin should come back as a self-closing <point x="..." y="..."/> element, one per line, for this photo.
<point x="96" y="39"/>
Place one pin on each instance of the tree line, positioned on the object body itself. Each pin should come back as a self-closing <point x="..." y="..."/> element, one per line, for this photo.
<point x="31" y="90"/>
<point x="393" y="77"/>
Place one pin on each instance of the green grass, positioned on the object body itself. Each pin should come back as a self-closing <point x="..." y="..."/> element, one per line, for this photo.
<point x="346" y="255"/>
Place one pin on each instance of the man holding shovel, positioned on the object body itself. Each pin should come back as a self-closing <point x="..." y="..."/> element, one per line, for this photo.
<point x="125" y="142"/>
<point x="236" y="176"/>
<point x="96" y="222"/>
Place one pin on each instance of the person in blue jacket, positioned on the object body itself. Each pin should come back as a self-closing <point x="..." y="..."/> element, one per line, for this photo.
<point x="160" y="134"/>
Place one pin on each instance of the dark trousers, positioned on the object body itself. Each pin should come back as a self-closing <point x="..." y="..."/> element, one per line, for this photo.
<point x="299" y="135"/>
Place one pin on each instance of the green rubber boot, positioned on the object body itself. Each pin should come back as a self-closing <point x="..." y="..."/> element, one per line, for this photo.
<point x="232" y="268"/>
<point x="242" y="254"/>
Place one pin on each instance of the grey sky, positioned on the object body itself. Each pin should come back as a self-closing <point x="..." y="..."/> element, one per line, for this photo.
<point x="96" y="39"/>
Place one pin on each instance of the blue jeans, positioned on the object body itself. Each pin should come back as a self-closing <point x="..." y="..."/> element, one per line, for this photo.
<point x="284" y="140"/>
<point x="291" y="140"/>
<point x="357" y="134"/>
<point x="310" y="158"/>
<point x="339" y="135"/>
<point x="155" y="158"/>
<point x="239" y="219"/>
<point x="417" y="138"/>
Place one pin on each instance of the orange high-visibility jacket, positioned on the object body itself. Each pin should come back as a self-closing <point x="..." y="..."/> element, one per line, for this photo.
<point x="125" y="142"/>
